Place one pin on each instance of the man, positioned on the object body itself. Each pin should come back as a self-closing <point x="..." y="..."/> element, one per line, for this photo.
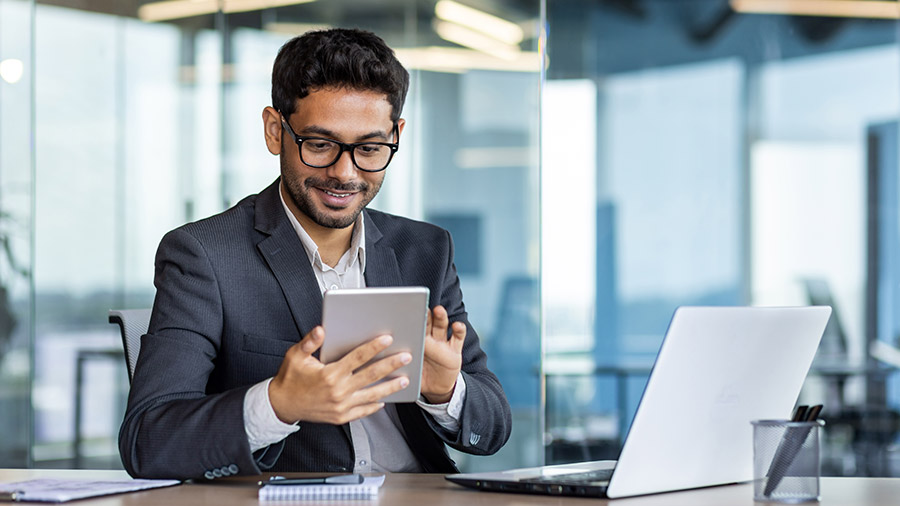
<point x="228" y="380"/>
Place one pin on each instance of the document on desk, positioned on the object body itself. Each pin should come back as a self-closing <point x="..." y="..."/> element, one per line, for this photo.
<point x="63" y="490"/>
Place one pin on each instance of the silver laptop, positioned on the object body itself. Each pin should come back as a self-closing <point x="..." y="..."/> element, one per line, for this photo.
<point x="718" y="369"/>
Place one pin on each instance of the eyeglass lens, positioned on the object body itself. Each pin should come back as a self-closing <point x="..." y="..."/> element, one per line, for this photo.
<point x="322" y="153"/>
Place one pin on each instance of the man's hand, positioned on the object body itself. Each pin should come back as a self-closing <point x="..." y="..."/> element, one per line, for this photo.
<point x="443" y="356"/>
<point x="305" y="389"/>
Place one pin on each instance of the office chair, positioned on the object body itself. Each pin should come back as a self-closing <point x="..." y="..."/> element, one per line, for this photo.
<point x="133" y="323"/>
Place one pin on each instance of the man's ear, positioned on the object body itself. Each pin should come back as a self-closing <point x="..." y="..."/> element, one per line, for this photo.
<point x="272" y="129"/>
<point x="400" y="124"/>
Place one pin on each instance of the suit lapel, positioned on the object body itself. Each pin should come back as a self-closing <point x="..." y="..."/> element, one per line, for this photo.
<point x="381" y="262"/>
<point x="286" y="257"/>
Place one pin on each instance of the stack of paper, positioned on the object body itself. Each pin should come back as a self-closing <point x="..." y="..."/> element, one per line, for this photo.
<point x="60" y="490"/>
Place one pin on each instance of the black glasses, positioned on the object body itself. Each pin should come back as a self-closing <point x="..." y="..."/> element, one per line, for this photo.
<point x="320" y="152"/>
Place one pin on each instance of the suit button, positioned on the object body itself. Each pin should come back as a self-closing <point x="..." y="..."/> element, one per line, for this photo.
<point x="208" y="475"/>
<point x="233" y="468"/>
<point x="217" y="473"/>
<point x="224" y="470"/>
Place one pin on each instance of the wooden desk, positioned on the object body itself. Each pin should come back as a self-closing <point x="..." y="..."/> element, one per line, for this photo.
<point x="433" y="490"/>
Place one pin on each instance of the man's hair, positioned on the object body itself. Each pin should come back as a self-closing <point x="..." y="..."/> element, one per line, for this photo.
<point x="341" y="58"/>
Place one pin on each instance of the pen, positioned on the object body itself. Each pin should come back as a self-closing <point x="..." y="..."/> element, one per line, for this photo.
<point x="791" y="442"/>
<point x="798" y="416"/>
<point x="813" y="414"/>
<point x="11" y="496"/>
<point x="341" y="479"/>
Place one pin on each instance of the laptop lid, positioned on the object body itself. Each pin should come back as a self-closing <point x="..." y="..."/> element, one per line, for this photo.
<point x="718" y="369"/>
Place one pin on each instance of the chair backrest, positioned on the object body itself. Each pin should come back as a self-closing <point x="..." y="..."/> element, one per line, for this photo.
<point x="133" y="323"/>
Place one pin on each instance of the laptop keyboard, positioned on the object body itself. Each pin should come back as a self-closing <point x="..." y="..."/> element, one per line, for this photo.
<point x="574" y="478"/>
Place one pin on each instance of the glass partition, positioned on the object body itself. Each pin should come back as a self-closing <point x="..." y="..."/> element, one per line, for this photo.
<point x="145" y="119"/>
<point x="16" y="231"/>
<point x="743" y="156"/>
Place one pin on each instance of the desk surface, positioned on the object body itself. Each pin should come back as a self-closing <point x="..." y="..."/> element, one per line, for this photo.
<point x="433" y="490"/>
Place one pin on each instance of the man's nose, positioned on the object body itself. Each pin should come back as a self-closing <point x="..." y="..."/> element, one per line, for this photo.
<point x="343" y="169"/>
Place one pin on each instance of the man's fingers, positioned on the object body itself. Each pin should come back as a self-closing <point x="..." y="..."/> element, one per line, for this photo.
<point x="368" y="400"/>
<point x="439" y="322"/>
<point x="312" y="341"/>
<point x="377" y="392"/>
<point x="374" y="372"/>
<point x="459" y="336"/>
<point x="363" y="353"/>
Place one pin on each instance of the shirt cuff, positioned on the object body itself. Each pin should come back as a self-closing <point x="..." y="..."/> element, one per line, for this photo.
<point x="260" y="422"/>
<point x="447" y="414"/>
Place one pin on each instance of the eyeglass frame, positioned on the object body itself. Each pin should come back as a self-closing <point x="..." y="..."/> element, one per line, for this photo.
<point x="350" y="147"/>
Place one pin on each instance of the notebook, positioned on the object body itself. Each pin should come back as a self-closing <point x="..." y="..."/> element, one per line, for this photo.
<point x="368" y="489"/>
<point x="62" y="490"/>
<point x="718" y="368"/>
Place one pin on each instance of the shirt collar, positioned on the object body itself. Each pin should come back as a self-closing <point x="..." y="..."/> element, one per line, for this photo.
<point x="357" y="242"/>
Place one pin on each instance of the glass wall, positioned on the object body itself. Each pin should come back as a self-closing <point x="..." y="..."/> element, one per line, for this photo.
<point x="16" y="231"/>
<point x="692" y="152"/>
<point x="144" y="120"/>
<point x="742" y="157"/>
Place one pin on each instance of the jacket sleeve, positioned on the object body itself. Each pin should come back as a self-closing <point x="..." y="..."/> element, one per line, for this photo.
<point x="485" y="422"/>
<point x="172" y="427"/>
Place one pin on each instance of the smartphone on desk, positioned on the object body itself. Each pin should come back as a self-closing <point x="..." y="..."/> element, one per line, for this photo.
<point x="352" y="317"/>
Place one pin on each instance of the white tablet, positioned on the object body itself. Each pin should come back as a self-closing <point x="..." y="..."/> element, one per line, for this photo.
<point x="354" y="316"/>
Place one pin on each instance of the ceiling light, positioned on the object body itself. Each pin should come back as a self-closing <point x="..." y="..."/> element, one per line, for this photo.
<point x="480" y="21"/>
<point x="459" y="60"/>
<point x="294" y="28"/>
<point x="11" y="70"/>
<point x="258" y="5"/>
<point x="176" y="9"/>
<point x="831" y="8"/>
<point x="475" y="40"/>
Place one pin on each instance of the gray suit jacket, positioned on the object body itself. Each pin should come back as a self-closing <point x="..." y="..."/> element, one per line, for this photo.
<point x="234" y="292"/>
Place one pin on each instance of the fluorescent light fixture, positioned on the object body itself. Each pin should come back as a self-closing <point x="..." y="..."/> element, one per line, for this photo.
<point x="11" y="70"/>
<point x="294" y="28"/>
<point x="877" y="9"/>
<point x="480" y="21"/>
<point x="463" y="36"/>
<point x="458" y="60"/>
<point x="176" y="9"/>
<point x="258" y="5"/>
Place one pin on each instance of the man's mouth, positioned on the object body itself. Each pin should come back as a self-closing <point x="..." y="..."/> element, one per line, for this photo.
<point x="338" y="195"/>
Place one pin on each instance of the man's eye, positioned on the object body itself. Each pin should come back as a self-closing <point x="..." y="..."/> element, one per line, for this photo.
<point x="369" y="149"/>
<point x="319" y="145"/>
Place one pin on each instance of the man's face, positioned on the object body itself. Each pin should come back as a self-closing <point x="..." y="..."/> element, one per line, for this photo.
<point x="333" y="197"/>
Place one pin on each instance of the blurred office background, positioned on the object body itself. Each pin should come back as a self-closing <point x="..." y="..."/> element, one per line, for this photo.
<point x="599" y="163"/>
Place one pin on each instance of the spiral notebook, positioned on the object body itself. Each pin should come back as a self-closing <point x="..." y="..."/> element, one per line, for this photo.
<point x="368" y="489"/>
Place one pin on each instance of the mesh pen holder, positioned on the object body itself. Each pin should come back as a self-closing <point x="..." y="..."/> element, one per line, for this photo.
<point x="786" y="460"/>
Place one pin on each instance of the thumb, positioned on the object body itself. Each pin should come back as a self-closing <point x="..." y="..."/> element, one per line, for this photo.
<point x="312" y="341"/>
